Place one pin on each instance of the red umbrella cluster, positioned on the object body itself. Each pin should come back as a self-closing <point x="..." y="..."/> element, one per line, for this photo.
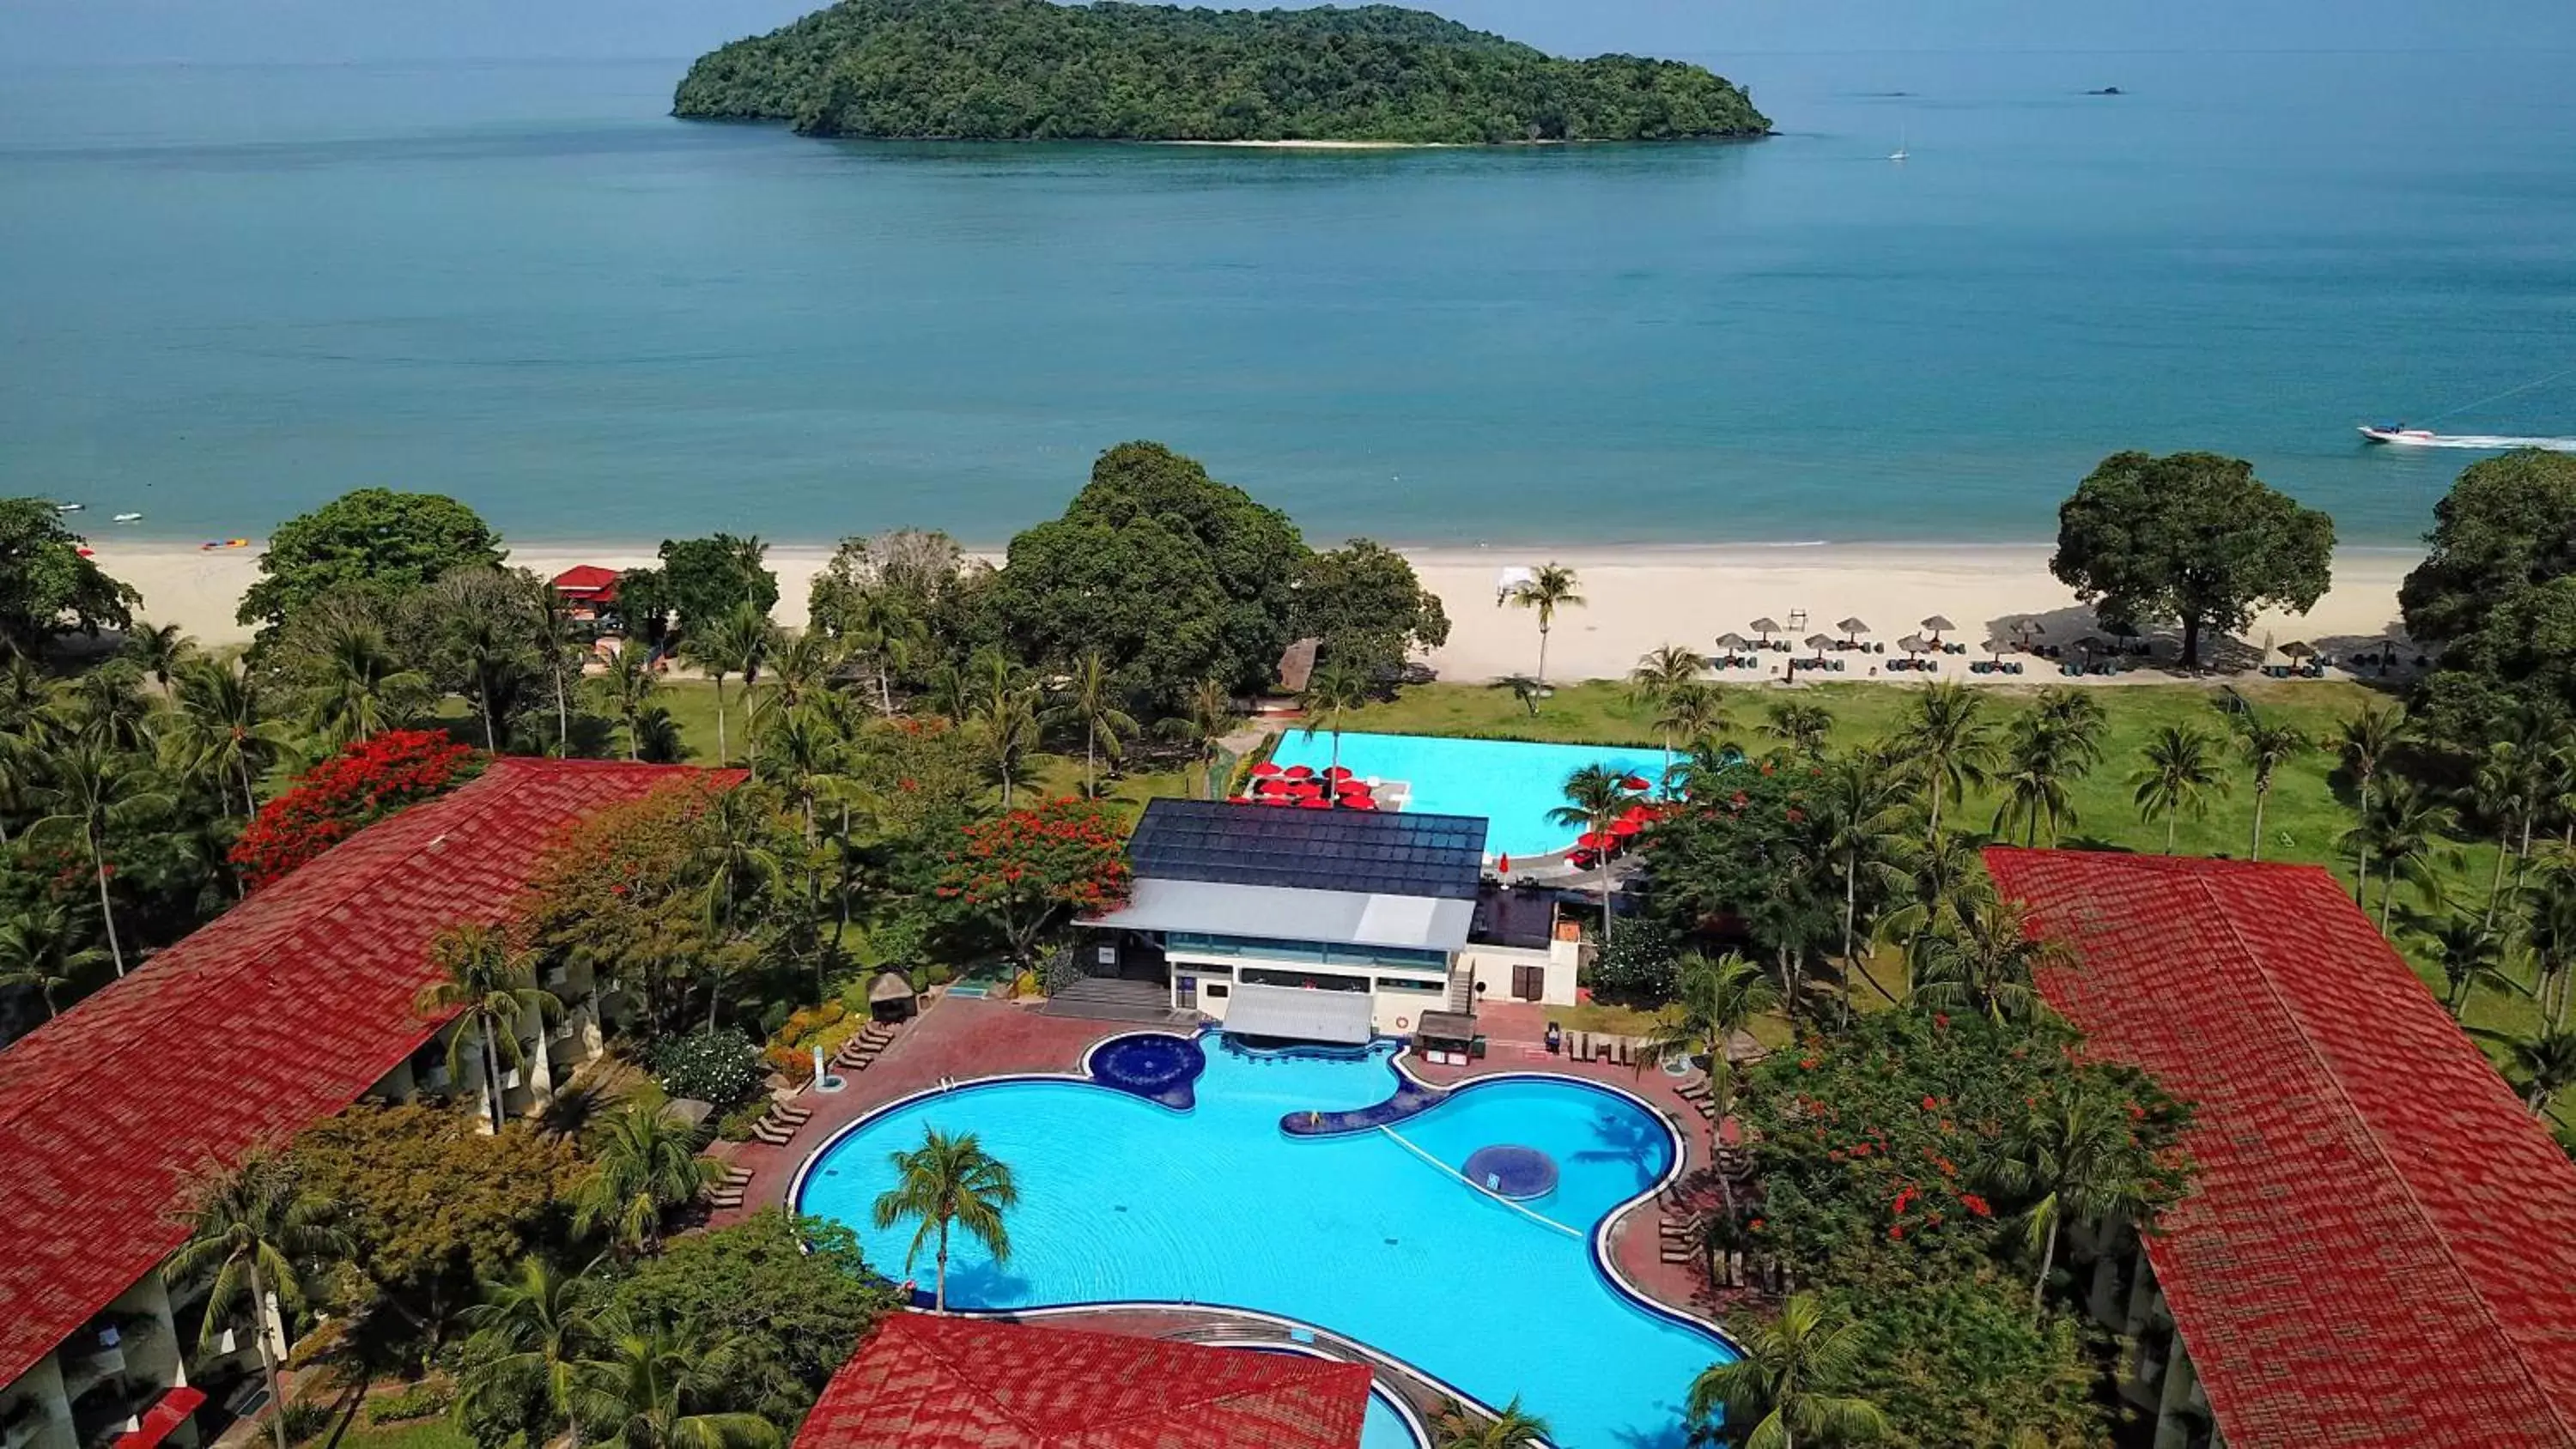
<point x="1300" y="787"/>
<point x="1595" y="846"/>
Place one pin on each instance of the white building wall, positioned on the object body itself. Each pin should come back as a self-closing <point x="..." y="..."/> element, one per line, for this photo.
<point x="1560" y="968"/>
<point x="1393" y="1011"/>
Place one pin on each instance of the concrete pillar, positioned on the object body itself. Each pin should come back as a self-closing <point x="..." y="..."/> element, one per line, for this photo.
<point x="2175" y="1419"/>
<point x="41" y="1387"/>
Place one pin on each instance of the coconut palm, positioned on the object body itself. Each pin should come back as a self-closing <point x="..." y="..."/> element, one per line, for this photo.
<point x="741" y="859"/>
<point x="250" y="1231"/>
<point x="949" y="1181"/>
<point x="646" y="1164"/>
<point x="551" y="631"/>
<point x="219" y="729"/>
<point x="1658" y="678"/>
<point x="2403" y="829"/>
<point x="1205" y="718"/>
<point x="532" y="1332"/>
<point x="2507" y="791"/>
<point x="1005" y="712"/>
<point x="1693" y="715"/>
<point x="2039" y="763"/>
<point x="2078" y="720"/>
<point x="800" y="666"/>
<point x="1783" y="1388"/>
<point x="1714" y="1000"/>
<point x="1091" y="703"/>
<point x="1854" y="816"/>
<point x="1595" y="797"/>
<point x="627" y="690"/>
<point x="2548" y="917"/>
<point x="1333" y="690"/>
<point x="803" y="749"/>
<point x="2365" y="742"/>
<point x="1984" y="959"/>
<point x="358" y="687"/>
<point x="731" y="645"/>
<point x="2077" y="1157"/>
<point x="1802" y="727"/>
<point x="651" y="1389"/>
<point x="2266" y="745"/>
<point x="1526" y="690"/>
<point x="93" y="791"/>
<point x="1944" y="880"/>
<point x="105" y="706"/>
<point x="482" y="619"/>
<point x="157" y="650"/>
<point x="1512" y="1427"/>
<point x="2470" y="953"/>
<point x="882" y="630"/>
<point x="2540" y="1067"/>
<point x="489" y="987"/>
<point x="2178" y="775"/>
<point x="1551" y="588"/>
<point x="42" y="949"/>
<point x="1944" y="738"/>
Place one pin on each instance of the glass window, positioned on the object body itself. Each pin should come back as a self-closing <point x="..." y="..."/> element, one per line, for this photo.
<point x="1405" y="983"/>
<point x="1216" y="989"/>
<point x="1308" y="981"/>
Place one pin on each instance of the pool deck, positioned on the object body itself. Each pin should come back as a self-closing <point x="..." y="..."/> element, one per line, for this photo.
<point x="965" y="1038"/>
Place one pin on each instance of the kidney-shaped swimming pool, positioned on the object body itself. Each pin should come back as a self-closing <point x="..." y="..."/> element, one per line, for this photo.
<point x="1372" y="1234"/>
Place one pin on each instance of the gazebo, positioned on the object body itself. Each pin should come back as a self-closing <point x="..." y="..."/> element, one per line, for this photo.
<point x="890" y="997"/>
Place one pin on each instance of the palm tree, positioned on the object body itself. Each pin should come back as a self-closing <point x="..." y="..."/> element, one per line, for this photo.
<point x="2540" y="1066"/>
<point x="220" y="729"/>
<point x="1512" y="1428"/>
<point x="1526" y="690"/>
<point x="1658" y="678"/>
<point x="489" y="988"/>
<point x="2038" y="765"/>
<point x="1334" y="689"/>
<point x="157" y="650"/>
<point x="105" y="706"/>
<point x="2077" y="719"/>
<point x="1551" y="588"/>
<point x="1802" y="727"/>
<point x="949" y="1180"/>
<point x="801" y="665"/>
<point x="2507" y="791"/>
<point x="248" y="1229"/>
<point x="2075" y="1155"/>
<point x="882" y="630"/>
<point x="2179" y="775"/>
<point x="1855" y="821"/>
<point x="1945" y="738"/>
<point x="2267" y="746"/>
<point x="1204" y="719"/>
<point x="1091" y="700"/>
<point x="1694" y="715"/>
<point x="359" y="687"/>
<point x="1783" y="1386"/>
<point x="532" y="1332"/>
<point x="483" y="642"/>
<point x="1595" y="797"/>
<point x="1945" y="880"/>
<point x="803" y="749"/>
<point x="2404" y="829"/>
<point x="652" y="1388"/>
<point x="730" y="645"/>
<point x="646" y="1164"/>
<point x="627" y="689"/>
<point x="2364" y="743"/>
<point x="2470" y="953"/>
<point x="41" y="949"/>
<point x="93" y="792"/>
<point x="1715" y="999"/>
<point x="1006" y="713"/>
<point x="549" y="622"/>
<point x="739" y="861"/>
<point x="2548" y="911"/>
<point x="1985" y="959"/>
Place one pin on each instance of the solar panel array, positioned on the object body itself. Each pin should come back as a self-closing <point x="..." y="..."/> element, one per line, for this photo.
<point x="1362" y="851"/>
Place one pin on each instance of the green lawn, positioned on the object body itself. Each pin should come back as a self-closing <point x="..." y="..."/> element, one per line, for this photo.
<point x="438" y="1432"/>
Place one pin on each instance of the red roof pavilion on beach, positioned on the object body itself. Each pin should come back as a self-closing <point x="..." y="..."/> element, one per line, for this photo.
<point x="588" y="583"/>
<point x="925" y="1382"/>
<point x="2375" y="1250"/>
<point x="266" y="1021"/>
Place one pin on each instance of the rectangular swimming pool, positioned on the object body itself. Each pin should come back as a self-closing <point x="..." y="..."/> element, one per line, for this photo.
<point x="1511" y="783"/>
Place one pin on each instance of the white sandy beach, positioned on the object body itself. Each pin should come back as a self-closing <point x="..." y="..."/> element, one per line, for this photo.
<point x="1635" y="598"/>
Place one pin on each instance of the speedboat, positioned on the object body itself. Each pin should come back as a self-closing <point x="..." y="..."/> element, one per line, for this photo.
<point x="129" y="518"/>
<point x="2397" y="433"/>
<point x="68" y="507"/>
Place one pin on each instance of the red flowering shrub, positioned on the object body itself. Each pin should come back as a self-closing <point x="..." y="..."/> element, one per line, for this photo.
<point x="346" y="793"/>
<point x="1029" y="866"/>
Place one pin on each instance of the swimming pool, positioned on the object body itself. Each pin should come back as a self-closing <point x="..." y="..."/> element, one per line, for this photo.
<point x="1512" y="784"/>
<point x="1363" y="1235"/>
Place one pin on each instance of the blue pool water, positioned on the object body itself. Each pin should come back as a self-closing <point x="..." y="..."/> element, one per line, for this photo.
<point x="1122" y="1199"/>
<point x="1513" y="785"/>
<point x="1385" y="1429"/>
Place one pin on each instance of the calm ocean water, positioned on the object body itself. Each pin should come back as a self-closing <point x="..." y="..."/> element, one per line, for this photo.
<point x="226" y="294"/>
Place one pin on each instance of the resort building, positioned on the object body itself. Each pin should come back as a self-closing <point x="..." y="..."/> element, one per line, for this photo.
<point x="2375" y="1249"/>
<point x="924" y="1382"/>
<point x="286" y="1010"/>
<point x="1323" y="925"/>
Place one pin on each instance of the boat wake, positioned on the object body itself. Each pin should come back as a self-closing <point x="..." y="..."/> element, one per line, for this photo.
<point x="2485" y="442"/>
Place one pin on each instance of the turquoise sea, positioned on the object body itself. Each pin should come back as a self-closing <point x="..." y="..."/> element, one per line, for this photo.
<point x="228" y="293"/>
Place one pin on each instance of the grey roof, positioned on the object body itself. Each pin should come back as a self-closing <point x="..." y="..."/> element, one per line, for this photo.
<point x="889" y="986"/>
<point x="1446" y="1026"/>
<point x="1341" y="918"/>
<point x="1293" y="1014"/>
<point x="1370" y="851"/>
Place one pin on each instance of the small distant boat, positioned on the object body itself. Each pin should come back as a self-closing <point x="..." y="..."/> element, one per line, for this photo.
<point x="213" y="544"/>
<point x="2397" y="433"/>
<point x="69" y="507"/>
<point x="129" y="518"/>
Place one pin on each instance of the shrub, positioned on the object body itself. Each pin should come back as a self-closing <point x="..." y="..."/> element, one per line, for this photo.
<point x="306" y="1418"/>
<point x="344" y="794"/>
<point x="1637" y="966"/>
<point x="721" y="1067"/>
<point x="420" y="1401"/>
<point x="736" y="1125"/>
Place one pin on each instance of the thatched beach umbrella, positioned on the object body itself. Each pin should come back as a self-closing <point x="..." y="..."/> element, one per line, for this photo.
<point x="1731" y="641"/>
<point x="1820" y="642"/>
<point x="1915" y="644"/>
<point x="2299" y="649"/>
<point x="1766" y="627"/>
<point x="1854" y="628"/>
<point x="1938" y="626"/>
<point x="2092" y="644"/>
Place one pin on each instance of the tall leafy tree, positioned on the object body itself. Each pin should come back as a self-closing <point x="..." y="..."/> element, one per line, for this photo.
<point x="251" y="1230"/>
<point x="534" y="1332"/>
<point x="1948" y="743"/>
<point x="653" y="1389"/>
<point x="2497" y="590"/>
<point x="43" y="949"/>
<point x="1552" y="586"/>
<point x="2193" y="537"/>
<point x="94" y="792"/>
<point x="1362" y="603"/>
<point x="627" y="689"/>
<point x="1802" y="727"/>
<point x="2178" y="772"/>
<point x="949" y="1182"/>
<point x="1716" y="999"/>
<point x="2076" y="1157"/>
<point x="2364" y="742"/>
<point x="374" y="541"/>
<point x="1335" y="689"/>
<point x="1090" y="703"/>
<point x="488" y="986"/>
<point x="2266" y="745"/>
<point x="1787" y="1388"/>
<point x="46" y="588"/>
<point x="644" y="1166"/>
<point x="1595" y="797"/>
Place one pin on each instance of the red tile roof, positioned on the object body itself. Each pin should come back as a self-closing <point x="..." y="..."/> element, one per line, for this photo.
<point x="922" y="1382"/>
<point x="2375" y="1251"/>
<point x="275" y="1016"/>
<point x="588" y="580"/>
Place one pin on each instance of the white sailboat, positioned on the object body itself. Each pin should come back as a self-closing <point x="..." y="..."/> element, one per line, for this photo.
<point x="1899" y="153"/>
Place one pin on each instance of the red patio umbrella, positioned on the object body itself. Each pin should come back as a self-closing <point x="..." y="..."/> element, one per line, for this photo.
<point x="1301" y="772"/>
<point x="1337" y="772"/>
<point x="1314" y="804"/>
<point x="1625" y="828"/>
<point x="1592" y="840"/>
<point x="1633" y="782"/>
<point x="1265" y="769"/>
<point x="1358" y="802"/>
<point x="1503" y="866"/>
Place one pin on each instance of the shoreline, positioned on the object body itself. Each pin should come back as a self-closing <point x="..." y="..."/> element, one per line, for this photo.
<point x="1638" y="597"/>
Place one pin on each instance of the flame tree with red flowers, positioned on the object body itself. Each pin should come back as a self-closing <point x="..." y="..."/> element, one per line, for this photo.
<point x="351" y="790"/>
<point x="1029" y="868"/>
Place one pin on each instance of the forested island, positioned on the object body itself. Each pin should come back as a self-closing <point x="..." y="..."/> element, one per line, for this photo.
<point x="1025" y="70"/>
